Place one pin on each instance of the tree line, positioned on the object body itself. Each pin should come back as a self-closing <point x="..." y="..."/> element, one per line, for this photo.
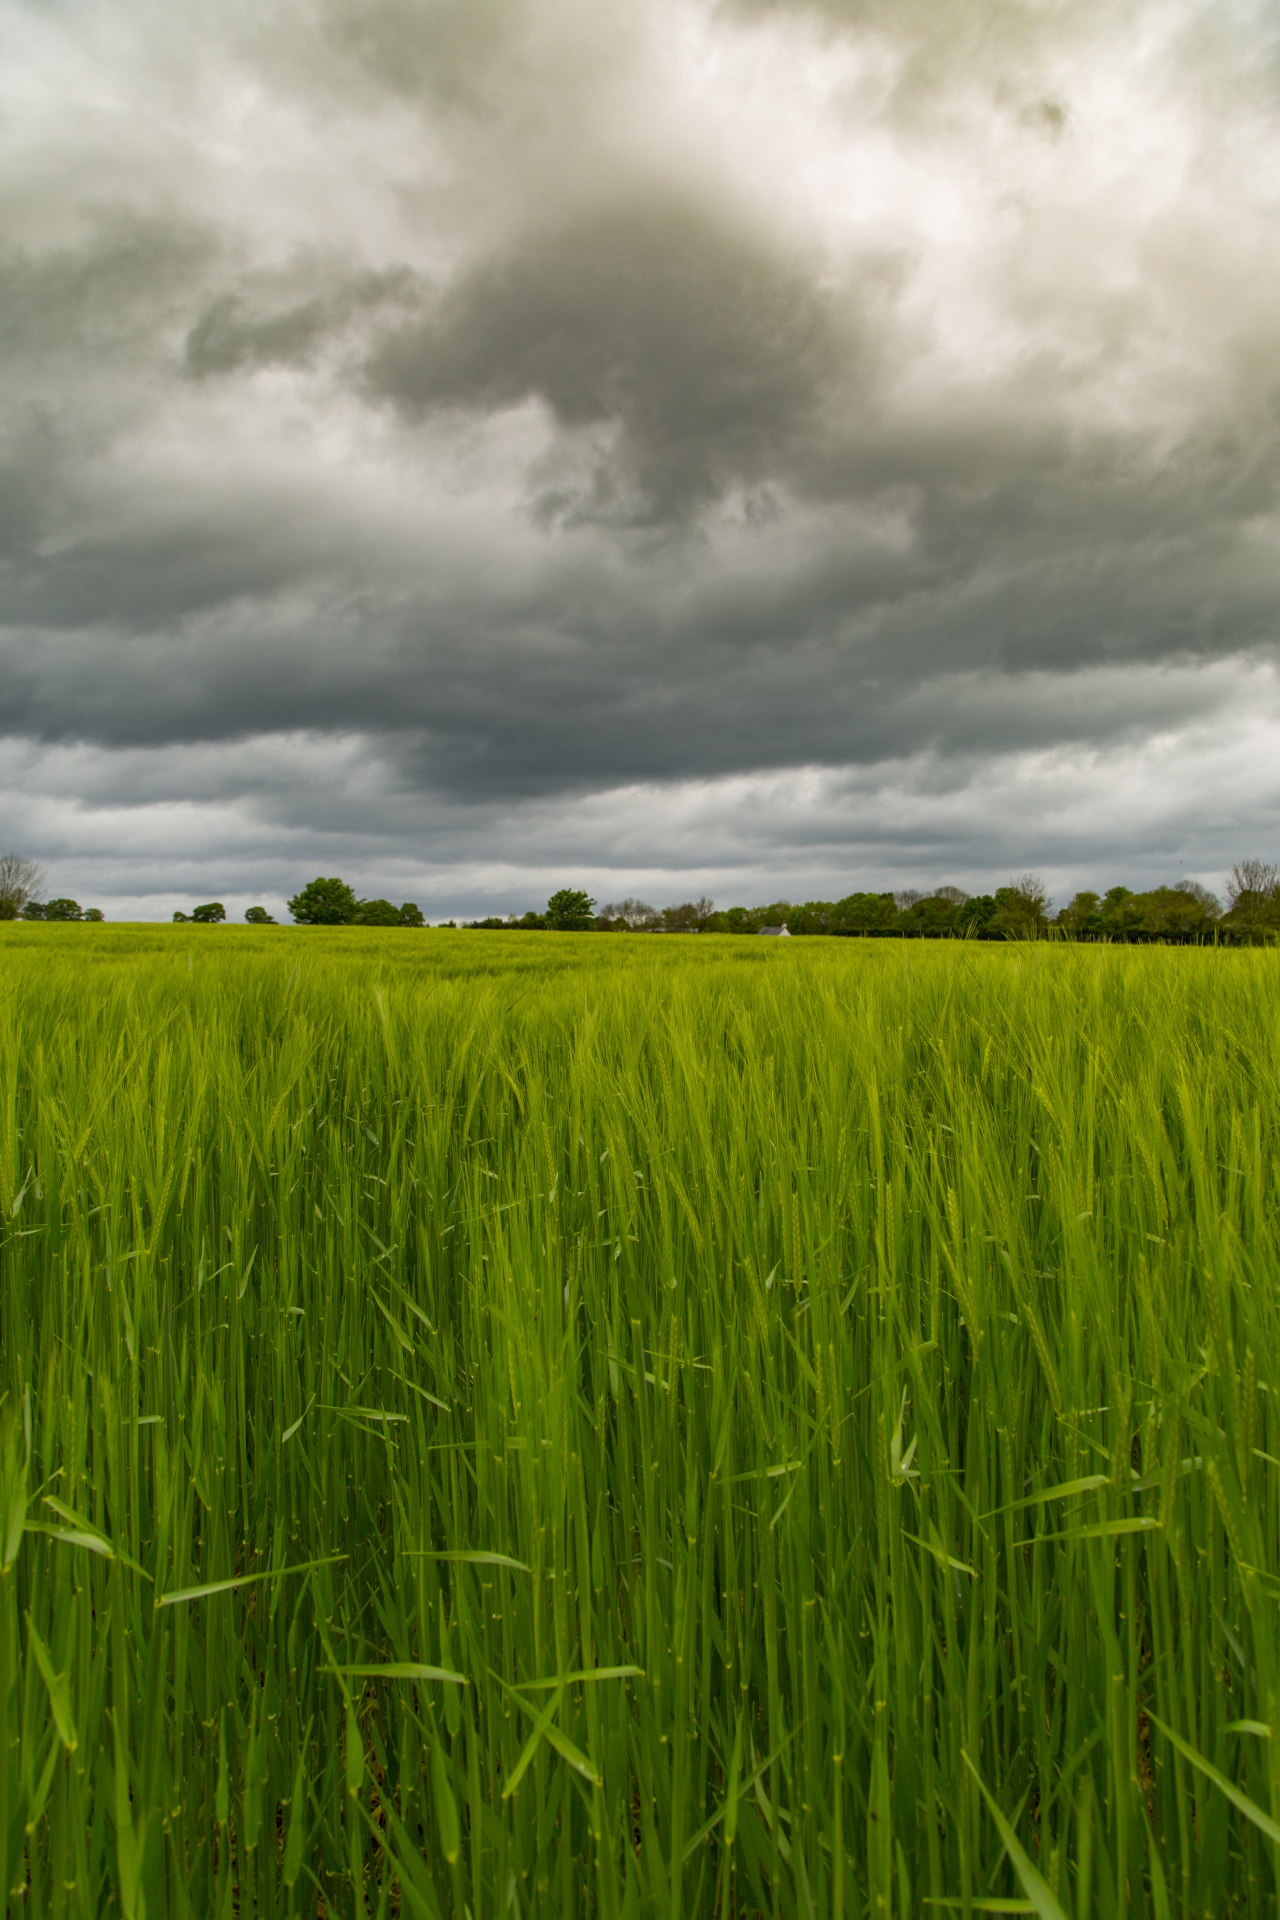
<point x="21" y="883"/>
<point x="321" y="903"/>
<point x="1186" y="912"/>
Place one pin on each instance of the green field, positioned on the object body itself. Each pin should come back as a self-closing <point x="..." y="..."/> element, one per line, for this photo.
<point x="517" y="1425"/>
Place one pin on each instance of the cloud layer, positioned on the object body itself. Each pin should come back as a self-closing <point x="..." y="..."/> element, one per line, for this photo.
<point x="693" y="446"/>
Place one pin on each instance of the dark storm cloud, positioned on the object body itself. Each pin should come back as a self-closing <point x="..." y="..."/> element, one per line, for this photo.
<point x="108" y="291"/>
<point x="566" y="402"/>
<point x="707" y="349"/>
<point x="248" y="329"/>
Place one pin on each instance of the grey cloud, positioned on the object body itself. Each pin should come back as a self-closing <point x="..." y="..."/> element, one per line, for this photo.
<point x="247" y="328"/>
<point x="30" y="479"/>
<point x="112" y="290"/>
<point x="224" y="338"/>
<point x="710" y="351"/>
<point x="433" y="49"/>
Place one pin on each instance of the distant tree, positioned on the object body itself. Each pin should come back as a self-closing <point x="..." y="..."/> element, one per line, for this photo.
<point x="376" y="913"/>
<point x="33" y="910"/>
<point x="1176" y="911"/>
<point x="411" y="914"/>
<point x="977" y="915"/>
<point x="956" y="895"/>
<point x="933" y="913"/>
<point x="691" y="916"/>
<point x="94" y="913"/>
<point x="864" y="913"/>
<point x="778" y="913"/>
<point x="180" y="918"/>
<point x="570" y="911"/>
<point x="1207" y="899"/>
<point x="20" y="881"/>
<point x="1021" y="908"/>
<point x="905" y="897"/>
<point x="1121" y="911"/>
<point x="324" y="903"/>
<point x="211" y="914"/>
<point x="1082" y="915"/>
<point x="812" y="918"/>
<point x="258" y="917"/>
<point x="629" y="916"/>
<point x="1258" y="877"/>
<point x="1253" y="899"/>
<point x="62" y="910"/>
<point x="679" y="918"/>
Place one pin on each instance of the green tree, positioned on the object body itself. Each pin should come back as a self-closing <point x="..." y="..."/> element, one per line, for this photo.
<point x="258" y="917"/>
<point x="1021" y="908"/>
<point x="935" y="913"/>
<point x="570" y="911"/>
<point x="62" y="910"/>
<point x="1177" y="910"/>
<point x="864" y="913"/>
<point x="1082" y="915"/>
<point x="813" y="917"/>
<point x="976" y="915"/>
<point x="376" y="913"/>
<point x="32" y="910"/>
<point x="324" y="903"/>
<point x="411" y="914"/>
<point x="1121" y="911"/>
<point x="94" y="913"/>
<point x="211" y="914"/>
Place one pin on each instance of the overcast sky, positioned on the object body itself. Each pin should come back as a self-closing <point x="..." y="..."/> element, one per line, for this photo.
<point x="753" y="447"/>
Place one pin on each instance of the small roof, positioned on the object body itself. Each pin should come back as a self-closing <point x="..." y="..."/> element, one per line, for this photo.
<point x="783" y="929"/>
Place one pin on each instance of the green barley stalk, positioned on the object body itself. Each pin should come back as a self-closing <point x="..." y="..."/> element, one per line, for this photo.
<point x="618" y="1427"/>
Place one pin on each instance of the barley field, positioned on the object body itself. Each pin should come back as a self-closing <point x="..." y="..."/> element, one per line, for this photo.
<point x="523" y="1425"/>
